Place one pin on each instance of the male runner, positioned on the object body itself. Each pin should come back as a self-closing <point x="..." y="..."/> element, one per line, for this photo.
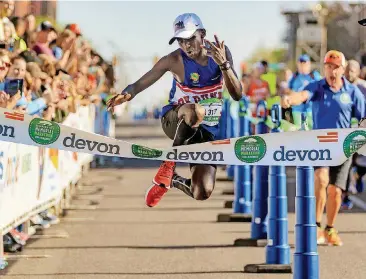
<point x="335" y="101"/>
<point x="199" y="70"/>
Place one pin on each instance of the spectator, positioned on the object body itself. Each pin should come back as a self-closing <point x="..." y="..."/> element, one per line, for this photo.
<point x="302" y="77"/>
<point x="352" y="74"/>
<point x="6" y="10"/>
<point x="45" y="35"/>
<point x="74" y="28"/>
<point x="30" y="22"/>
<point x="20" y="26"/>
<point x="257" y="88"/>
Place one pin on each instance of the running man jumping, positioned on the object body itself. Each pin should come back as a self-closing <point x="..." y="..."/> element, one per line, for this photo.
<point x="200" y="69"/>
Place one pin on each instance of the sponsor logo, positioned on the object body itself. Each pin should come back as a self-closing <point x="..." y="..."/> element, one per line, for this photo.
<point x="301" y="155"/>
<point x="179" y="25"/>
<point x="329" y="137"/>
<point x="216" y="77"/>
<point x="7" y="131"/>
<point x="90" y="145"/>
<point x="353" y="142"/>
<point x="218" y="142"/>
<point x="206" y="156"/>
<point x="43" y="132"/>
<point x="195" y="77"/>
<point x="14" y="116"/>
<point x="345" y="98"/>
<point x="145" y="152"/>
<point x="250" y="149"/>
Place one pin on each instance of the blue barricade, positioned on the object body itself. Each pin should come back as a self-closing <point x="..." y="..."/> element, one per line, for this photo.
<point x="242" y="175"/>
<point x="277" y="249"/>
<point x="306" y="259"/>
<point x="260" y="184"/>
<point x="231" y="133"/>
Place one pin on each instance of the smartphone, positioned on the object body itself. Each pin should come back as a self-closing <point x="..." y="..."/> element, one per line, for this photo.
<point x="12" y="86"/>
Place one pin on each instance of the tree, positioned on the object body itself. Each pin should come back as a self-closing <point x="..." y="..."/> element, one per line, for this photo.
<point x="272" y="55"/>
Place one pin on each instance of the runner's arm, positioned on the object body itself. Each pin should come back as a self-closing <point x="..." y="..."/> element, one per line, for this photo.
<point x="231" y="79"/>
<point x="293" y="98"/>
<point x="152" y="76"/>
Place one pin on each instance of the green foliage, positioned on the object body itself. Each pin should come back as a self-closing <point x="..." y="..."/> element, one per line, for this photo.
<point x="272" y="55"/>
<point x="57" y="25"/>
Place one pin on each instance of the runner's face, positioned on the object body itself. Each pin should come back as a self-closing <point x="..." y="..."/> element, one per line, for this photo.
<point x="191" y="46"/>
<point x="352" y="73"/>
<point x="304" y="67"/>
<point x="333" y="74"/>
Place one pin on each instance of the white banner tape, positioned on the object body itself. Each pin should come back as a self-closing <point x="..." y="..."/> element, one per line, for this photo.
<point x="330" y="147"/>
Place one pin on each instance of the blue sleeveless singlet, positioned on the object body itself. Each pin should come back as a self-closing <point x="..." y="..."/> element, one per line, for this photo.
<point x="203" y="85"/>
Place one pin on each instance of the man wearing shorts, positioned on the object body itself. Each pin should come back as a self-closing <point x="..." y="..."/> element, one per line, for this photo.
<point x="200" y="69"/>
<point x="334" y="102"/>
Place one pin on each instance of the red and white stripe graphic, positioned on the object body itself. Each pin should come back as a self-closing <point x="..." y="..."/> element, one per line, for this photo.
<point x="14" y="116"/>
<point x="330" y="137"/>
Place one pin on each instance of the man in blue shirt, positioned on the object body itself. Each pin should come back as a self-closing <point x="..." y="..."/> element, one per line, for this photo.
<point x="301" y="78"/>
<point x="334" y="102"/>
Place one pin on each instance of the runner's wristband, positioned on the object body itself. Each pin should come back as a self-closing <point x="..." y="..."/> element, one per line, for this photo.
<point x="225" y="66"/>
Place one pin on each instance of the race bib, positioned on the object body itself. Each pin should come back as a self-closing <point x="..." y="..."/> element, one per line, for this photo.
<point x="213" y="109"/>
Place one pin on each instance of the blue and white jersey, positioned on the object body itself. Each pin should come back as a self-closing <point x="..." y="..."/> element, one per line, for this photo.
<point x="202" y="85"/>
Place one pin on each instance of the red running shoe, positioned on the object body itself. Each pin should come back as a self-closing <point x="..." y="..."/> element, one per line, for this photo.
<point x="165" y="174"/>
<point x="162" y="181"/>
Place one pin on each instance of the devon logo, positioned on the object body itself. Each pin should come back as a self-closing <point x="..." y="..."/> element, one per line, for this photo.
<point x="82" y="144"/>
<point x="301" y="155"/>
<point x="250" y="149"/>
<point x="145" y="152"/>
<point x="43" y="132"/>
<point x="206" y="156"/>
<point x="353" y="142"/>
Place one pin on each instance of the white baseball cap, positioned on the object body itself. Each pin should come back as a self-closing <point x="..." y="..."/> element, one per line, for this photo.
<point x="185" y="25"/>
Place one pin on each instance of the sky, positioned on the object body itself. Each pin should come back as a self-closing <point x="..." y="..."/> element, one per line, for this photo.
<point x="139" y="30"/>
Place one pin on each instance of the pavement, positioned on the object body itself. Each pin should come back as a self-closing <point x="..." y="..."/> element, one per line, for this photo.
<point x="122" y="238"/>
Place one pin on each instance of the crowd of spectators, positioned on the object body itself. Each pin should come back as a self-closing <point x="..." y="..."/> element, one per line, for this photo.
<point x="59" y="68"/>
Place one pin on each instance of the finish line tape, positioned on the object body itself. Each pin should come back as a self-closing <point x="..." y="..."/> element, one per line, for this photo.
<point x="330" y="147"/>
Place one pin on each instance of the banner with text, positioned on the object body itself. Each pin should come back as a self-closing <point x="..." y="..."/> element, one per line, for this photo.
<point x="32" y="177"/>
<point x="330" y="147"/>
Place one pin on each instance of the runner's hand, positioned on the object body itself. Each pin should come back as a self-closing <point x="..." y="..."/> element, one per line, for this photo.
<point x="285" y="102"/>
<point x="216" y="51"/>
<point x="125" y="96"/>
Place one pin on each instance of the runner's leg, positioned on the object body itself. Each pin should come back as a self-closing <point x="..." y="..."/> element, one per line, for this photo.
<point x="321" y="181"/>
<point x="337" y="178"/>
<point x="179" y="124"/>
<point x="202" y="182"/>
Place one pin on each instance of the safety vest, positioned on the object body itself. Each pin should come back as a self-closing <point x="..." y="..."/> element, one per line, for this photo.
<point x="271" y="78"/>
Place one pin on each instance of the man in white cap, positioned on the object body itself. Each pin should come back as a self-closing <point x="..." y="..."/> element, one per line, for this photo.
<point x="200" y="69"/>
<point x="335" y="101"/>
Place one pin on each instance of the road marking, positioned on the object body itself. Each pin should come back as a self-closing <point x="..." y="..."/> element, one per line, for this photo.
<point x="16" y="257"/>
<point x="74" y="219"/>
